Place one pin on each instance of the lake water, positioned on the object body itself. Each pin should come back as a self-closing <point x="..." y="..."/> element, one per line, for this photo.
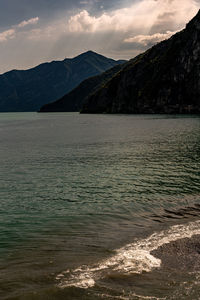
<point x="85" y="200"/>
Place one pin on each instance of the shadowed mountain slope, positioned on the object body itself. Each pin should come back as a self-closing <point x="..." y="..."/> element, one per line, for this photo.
<point x="74" y="100"/>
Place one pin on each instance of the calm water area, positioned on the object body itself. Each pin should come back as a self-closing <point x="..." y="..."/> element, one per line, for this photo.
<point x="85" y="200"/>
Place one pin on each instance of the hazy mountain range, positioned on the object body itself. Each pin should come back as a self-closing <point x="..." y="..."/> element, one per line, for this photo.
<point x="28" y="90"/>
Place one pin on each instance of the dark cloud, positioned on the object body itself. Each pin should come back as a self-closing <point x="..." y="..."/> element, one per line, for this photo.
<point x="14" y="11"/>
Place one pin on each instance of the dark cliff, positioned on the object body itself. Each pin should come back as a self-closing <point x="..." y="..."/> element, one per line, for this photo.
<point x="164" y="79"/>
<point x="29" y="90"/>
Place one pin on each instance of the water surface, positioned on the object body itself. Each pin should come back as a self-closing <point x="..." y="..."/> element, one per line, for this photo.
<point x="81" y="196"/>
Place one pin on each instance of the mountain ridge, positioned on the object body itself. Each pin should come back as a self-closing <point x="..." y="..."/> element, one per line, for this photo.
<point x="28" y="90"/>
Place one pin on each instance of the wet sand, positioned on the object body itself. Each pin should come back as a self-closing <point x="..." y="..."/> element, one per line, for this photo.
<point x="181" y="255"/>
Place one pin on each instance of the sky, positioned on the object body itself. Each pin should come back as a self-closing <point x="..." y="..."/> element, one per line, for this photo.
<point x="32" y="32"/>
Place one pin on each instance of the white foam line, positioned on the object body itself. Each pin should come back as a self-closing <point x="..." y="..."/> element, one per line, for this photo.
<point x="105" y="296"/>
<point x="146" y="297"/>
<point x="133" y="258"/>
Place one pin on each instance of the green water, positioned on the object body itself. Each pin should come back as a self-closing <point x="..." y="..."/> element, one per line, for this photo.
<point x="74" y="188"/>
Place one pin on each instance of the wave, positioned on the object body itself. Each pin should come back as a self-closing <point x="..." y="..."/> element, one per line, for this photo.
<point x="133" y="258"/>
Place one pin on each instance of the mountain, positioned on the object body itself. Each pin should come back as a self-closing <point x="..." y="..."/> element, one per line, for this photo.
<point x="164" y="79"/>
<point x="29" y="90"/>
<point x="73" y="101"/>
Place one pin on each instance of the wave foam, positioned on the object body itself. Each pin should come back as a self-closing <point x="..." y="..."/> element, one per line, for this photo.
<point x="133" y="258"/>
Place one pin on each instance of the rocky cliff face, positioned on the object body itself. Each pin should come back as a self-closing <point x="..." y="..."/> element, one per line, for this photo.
<point x="29" y="90"/>
<point x="164" y="79"/>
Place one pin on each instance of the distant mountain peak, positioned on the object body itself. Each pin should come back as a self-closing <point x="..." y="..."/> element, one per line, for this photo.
<point x="90" y="54"/>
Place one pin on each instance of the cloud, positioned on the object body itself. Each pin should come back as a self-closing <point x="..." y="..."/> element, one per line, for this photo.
<point x="144" y="22"/>
<point x="142" y="15"/>
<point x="32" y="21"/>
<point x="84" y="2"/>
<point x="11" y="33"/>
<point x="84" y="22"/>
<point x="148" y="40"/>
<point x="6" y="35"/>
<point x="120" y="20"/>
